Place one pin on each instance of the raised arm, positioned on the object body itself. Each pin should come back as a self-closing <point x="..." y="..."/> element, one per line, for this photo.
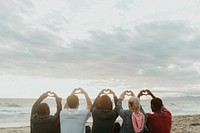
<point x="58" y="103"/>
<point x="38" y="101"/>
<point x="119" y="105"/>
<point x="150" y="93"/>
<point x="114" y="96"/>
<point x="141" y="93"/>
<point x="88" y="100"/>
<point x="153" y="96"/>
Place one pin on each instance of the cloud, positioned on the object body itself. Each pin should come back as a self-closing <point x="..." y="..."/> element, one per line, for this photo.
<point x="151" y="52"/>
<point x="100" y="41"/>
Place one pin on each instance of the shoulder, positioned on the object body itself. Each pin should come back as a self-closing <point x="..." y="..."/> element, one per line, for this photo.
<point x="152" y="115"/>
<point x="87" y="110"/>
<point x="167" y="112"/>
<point x="34" y="116"/>
<point x="126" y="112"/>
<point x="63" y="111"/>
<point x="83" y="111"/>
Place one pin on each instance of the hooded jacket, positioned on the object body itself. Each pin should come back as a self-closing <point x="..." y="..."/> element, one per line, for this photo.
<point x="103" y="121"/>
<point x="45" y="123"/>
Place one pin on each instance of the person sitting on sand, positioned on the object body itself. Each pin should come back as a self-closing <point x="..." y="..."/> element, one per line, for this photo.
<point x="41" y="120"/>
<point x="73" y="119"/>
<point x="103" y="114"/>
<point x="161" y="119"/>
<point x="134" y="118"/>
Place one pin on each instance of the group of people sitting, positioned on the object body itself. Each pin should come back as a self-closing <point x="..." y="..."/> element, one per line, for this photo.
<point x="72" y="119"/>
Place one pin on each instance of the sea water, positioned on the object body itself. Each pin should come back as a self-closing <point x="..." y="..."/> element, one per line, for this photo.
<point x="16" y="112"/>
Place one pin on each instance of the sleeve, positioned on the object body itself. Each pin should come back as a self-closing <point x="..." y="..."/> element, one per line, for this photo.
<point x="56" y="117"/>
<point x="120" y="110"/>
<point x="115" y="100"/>
<point x="59" y="106"/>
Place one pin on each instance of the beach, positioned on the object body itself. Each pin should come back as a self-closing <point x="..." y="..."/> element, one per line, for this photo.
<point x="180" y="124"/>
<point x="186" y="124"/>
<point x="15" y="114"/>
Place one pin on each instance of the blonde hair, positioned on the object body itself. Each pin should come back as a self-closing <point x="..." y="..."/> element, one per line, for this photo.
<point x="134" y="104"/>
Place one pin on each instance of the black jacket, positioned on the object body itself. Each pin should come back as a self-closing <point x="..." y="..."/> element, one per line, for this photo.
<point x="103" y="121"/>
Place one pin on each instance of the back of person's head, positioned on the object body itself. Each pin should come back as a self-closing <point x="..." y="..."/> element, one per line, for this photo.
<point x="73" y="101"/>
<point x="156" y="104"/>
<point x="134" y="104"/>
<point x="43" y="109"/>
<point x="105" y="103"/>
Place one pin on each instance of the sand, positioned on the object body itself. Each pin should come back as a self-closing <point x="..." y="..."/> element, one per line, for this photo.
<point x="180" y="124"/>
<point x="186" y="124"/>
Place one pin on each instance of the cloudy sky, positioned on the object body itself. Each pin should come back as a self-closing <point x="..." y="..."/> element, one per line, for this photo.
<point x="62" y="44"/>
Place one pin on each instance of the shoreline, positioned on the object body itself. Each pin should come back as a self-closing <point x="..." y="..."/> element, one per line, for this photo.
<point x="180" y="124"/>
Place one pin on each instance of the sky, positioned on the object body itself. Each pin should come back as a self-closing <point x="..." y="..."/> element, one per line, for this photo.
<point x="59" y="45"/>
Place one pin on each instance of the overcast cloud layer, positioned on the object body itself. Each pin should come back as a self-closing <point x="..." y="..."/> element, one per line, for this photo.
<point x="139" y="42"/>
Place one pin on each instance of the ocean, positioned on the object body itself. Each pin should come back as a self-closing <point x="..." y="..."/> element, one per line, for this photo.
<point x="16" y="112"/>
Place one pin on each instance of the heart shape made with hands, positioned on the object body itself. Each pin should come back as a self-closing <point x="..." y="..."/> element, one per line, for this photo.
<point x="78" y="91"/>
<point x="106" y="91"/>
<point x="144" y="93"/>
<point x="50" y="94"/>
<point x="128" y="93"/>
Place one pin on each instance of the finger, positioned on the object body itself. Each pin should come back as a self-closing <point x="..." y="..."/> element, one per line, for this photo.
<point x="48" y="92"/>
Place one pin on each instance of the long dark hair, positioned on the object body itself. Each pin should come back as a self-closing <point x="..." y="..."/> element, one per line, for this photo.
<point x="105" y="103"/>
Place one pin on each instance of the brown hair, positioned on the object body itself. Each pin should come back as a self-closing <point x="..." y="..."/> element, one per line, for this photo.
<point x="43" y="109"/>
<point x="105" y="103"/>
<point x="72" y="101"/>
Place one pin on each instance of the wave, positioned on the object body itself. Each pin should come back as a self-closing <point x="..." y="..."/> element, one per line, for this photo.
<point x="9" y="105"/>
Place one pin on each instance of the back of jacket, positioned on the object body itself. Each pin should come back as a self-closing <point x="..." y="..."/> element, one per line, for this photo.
<point x="44" y="124"/>
<point x="103" y="122"/>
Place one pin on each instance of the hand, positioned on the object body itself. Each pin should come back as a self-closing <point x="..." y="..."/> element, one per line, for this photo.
<point x="45" y="95"/>
<point x="52" y="94"/>
<point x="143" y="92"/>
<point x="122" y="96"/>
<point x="80" y="90"/>
<point x="107" y="91"/>
<point x="101" y="92"/>
<point x="150" y="93"/>
<point x="75" y="91"/>
<point x="129" y="93"/>
<point x="111" y="92"/>
<point x="147" y="92"/>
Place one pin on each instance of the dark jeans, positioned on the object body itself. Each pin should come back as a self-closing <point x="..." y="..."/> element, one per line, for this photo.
<point x="117" y="127"/>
